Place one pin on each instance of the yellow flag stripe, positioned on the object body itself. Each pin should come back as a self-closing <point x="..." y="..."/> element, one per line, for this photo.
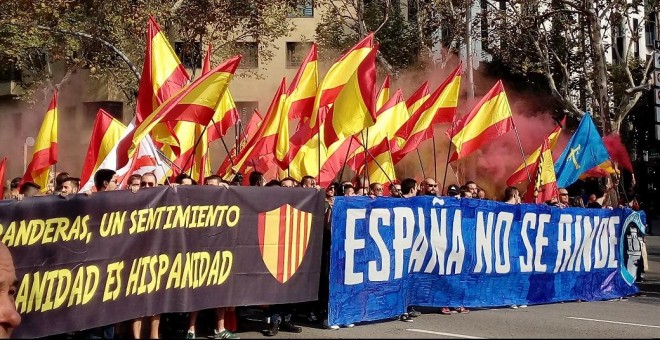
<point x="491" y="112"/>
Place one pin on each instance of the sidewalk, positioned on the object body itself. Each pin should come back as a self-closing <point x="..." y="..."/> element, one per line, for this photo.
<point x="651" y="281"/>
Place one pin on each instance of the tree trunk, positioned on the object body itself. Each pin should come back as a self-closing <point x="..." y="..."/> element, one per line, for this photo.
<point x="602" y="103"/>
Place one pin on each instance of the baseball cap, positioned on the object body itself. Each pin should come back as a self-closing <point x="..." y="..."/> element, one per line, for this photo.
<point x="453" y="189"/>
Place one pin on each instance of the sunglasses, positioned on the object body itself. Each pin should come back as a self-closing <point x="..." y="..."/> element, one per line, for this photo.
<point x="432" y="185"/>
<point x="147" y="184"/>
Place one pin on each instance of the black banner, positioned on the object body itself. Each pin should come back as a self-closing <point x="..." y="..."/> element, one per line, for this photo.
<point x="86" y="261"/>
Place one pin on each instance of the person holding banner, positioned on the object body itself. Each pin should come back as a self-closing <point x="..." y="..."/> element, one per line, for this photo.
<point x="9" y="317"/>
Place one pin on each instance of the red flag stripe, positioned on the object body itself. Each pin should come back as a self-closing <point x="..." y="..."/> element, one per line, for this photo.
<point x="490" y="133"/>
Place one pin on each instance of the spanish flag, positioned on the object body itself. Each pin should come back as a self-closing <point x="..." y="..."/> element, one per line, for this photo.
<point x="272" y="133"/>
<point x="355" y="107"/>
<point x="525" y="170"/>
<point x="106" y="134"/>
<point x="197" y="102"/>
<point x="305" y="143"/>
<point x="418" y="97"/>
<point x="389" y="120"/>
<point x="340" y="73"/>
<point x="3" y="165"/>
<point x="248" y="134"/>
<point x="303" y="88"/>
<point x="439" y="108"/>
<point x="380" y="166"/>
<point x="489" y="119"/>
<point x="45" y="149"/>
<point x="163" y="75"/>
<point x="300" y="104"/>
<point x="543" y="186"/>
<point x="383" y="93"/>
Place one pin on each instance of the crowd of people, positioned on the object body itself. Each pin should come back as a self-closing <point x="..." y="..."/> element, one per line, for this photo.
<point x="281" y="317"/>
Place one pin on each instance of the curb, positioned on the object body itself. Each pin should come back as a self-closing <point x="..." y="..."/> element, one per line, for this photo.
<point x="649" y="286"/>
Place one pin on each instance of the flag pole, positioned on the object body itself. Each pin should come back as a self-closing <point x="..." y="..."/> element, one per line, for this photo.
<point x="444" y="180"/>
<point x="366" y="160"/>
<point x="231" y="161"/>
<point x="421" y="165"/>
<point x="341" y="173"/>
<point x="522" y="153"/>
<point x="318" y="134"/>
<point x="199" y="139"/>
<point x="375" y="161"/>
<point x="435" y="162"/>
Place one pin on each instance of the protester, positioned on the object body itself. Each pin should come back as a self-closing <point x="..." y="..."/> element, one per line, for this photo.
<point x="481" y="194"/>
<point x="29" y="189"/>
<point x="453" y="191"/>
<point x="70" y="186"/>
<point x="408" y="188"/>
<point x="9" y="317"/>
<point x="511" y="195"/>
<point x="429" y="187"/>
<point x="105" y="180"/>
<point x="395" y="190"/>
<point x="563" y="198"/>
<point x="59" y="181"/>
<point x="472" y="187"/>
<point x="375" y="190"/>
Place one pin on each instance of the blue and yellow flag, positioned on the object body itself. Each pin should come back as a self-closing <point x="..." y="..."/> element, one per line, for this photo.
<point x="584" y="151"/>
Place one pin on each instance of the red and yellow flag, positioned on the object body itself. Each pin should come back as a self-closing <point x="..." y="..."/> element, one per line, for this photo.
<point x="106" y="134"/>
<point x="303" y="88"/>
<point x="231" y="158"/>
<point x="383" y="93"/>
<point x="272" y="133"/>
<point x="355" y="107"/>
<point x="439" y="108"/>
<point x="163" y="75"/>
<point x="3" y="166"/>
<point x="418" y="98"/>
<point x="489" y="119"/>
<point x="380" y="166"/>
<point x="197" y="102"/>
<point x="340" y="73"/>
<point x="45" y="149"/>
<point x="543" y="186"/>
<point x="525" y="170"/>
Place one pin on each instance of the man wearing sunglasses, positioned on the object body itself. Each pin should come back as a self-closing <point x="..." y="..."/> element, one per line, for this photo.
<point x="563" y="198"/>
<point x="148" y="180"/>
<point x="429" y="187"/>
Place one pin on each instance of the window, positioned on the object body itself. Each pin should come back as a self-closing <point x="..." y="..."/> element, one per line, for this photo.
<point x="300" y="9"/>
<point x="115" y="109"/>
<point x="635" y="37"/>
<point x="618" y="40"/>
<point x="246" y="110"/>
<point x="296" y="53"/>
<point x="649" y="29"/>
<point x="250" y="53"/>
<point x="189" y="53"/>
<point x="10" y="74"/>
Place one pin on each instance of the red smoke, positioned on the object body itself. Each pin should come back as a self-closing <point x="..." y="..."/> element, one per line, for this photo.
<point x="617" y="151"/>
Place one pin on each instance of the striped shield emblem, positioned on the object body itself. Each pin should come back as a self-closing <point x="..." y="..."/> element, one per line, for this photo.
<point x="283" y="239"/>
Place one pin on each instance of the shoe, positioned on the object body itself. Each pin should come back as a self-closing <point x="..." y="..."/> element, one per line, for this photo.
<point x="405" y="318"/>
<point x="445" y="311"/>
<point x="224" y="334"/>
<point x="350" y="325"/>
<point x="523" y="306"/>
<point x="190" y="335"/>
<point x="514" y="306"/>
<point x="413" y="313"/>
<point x="462" y="310"/>
<point x="331" y="327"/>
<point x="287" y="326"/>
<point x="273" y="327"/>
<point x="312" y="317"/>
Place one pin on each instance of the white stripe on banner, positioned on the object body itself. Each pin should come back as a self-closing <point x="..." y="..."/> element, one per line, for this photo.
<point x="614" y="322"/>
<point x="453" y="335"/>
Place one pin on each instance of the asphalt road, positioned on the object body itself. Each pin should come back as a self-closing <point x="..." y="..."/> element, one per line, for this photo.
<point x="634" y="317"/>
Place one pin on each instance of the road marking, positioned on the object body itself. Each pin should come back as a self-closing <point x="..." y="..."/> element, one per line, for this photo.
<point x="615" y="322"/>
<point x="453" y="335"/>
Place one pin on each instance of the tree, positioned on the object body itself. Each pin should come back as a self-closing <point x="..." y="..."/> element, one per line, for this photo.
<point x="108" y="37"/>
<point x="566" y="42"/>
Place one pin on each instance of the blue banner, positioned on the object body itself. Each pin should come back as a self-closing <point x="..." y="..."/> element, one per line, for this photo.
<point x="391" y="253"/>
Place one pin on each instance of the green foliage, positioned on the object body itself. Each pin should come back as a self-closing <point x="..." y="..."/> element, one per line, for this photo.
<point x="340" y="29"/>
<point x="32" y="33"/>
